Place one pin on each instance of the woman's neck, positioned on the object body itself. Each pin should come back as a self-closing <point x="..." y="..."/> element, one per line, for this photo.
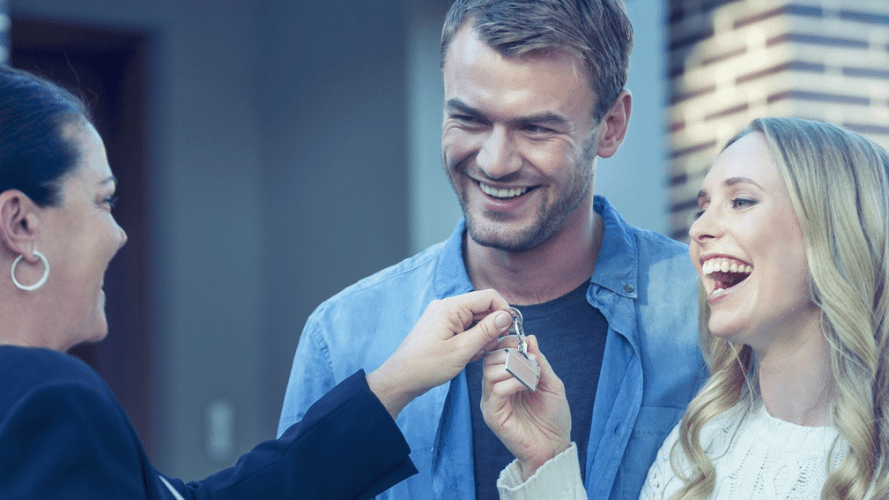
<point x="23" y="326"/>
<point x="795" y="380"/>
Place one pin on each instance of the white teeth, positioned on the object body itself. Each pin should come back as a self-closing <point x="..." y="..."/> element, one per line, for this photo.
<point x="725" y="266"/>
<point x="502" y="193"/>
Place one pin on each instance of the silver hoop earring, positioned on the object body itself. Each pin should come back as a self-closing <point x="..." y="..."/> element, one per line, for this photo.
<point x="35" y="286"/>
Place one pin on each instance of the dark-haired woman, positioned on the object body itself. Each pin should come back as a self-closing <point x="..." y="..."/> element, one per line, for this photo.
<point x="63" y="434"/>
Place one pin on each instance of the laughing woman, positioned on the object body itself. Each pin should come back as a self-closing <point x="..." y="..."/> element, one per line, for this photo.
<point x="796" y="329"/>
<point x="792" y="247"/>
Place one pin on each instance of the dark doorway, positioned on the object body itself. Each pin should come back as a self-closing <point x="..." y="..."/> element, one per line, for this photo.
<point x="107" y="67"/>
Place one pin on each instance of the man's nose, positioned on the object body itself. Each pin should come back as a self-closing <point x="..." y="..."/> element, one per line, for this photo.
<point x="497" y="156"/>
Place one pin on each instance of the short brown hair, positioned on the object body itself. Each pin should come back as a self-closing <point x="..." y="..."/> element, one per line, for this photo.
<point x="597" y="32"/>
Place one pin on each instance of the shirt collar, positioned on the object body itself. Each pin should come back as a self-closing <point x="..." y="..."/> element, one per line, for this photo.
<point x="616" y="268"/>
<point x="618" y="262"/>
<point x="451" y="277"/>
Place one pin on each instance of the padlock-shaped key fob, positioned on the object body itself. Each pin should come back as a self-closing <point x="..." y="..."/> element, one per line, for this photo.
<point x="523" y="369"/>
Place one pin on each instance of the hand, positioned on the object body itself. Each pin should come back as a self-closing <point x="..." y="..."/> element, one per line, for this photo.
<point x="534" y="426"/>
<point x="440" y="345"/>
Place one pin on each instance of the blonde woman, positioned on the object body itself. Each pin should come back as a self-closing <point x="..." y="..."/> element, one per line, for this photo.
<point x="791" y="246"/>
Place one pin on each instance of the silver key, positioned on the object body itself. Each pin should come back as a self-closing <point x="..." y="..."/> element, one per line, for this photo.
<point x="518" y="364"/>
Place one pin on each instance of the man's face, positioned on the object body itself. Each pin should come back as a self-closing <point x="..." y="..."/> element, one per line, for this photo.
<point x="518" y="142"/>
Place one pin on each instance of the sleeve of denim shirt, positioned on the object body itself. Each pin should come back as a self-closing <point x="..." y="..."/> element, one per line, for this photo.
<point x="311" y="377"/>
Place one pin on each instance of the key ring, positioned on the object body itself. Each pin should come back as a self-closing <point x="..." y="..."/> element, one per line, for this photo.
<point x="520" y="332"/>
<point x="520" y="366"/>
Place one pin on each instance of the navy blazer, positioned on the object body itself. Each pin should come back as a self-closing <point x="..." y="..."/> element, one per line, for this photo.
<point x="64" y="435"/>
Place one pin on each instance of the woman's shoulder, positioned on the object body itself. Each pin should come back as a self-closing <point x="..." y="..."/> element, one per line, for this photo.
<point x="716" y="434"/>
<point x="58" y="401"/>
<point x="716" y="430"/>
<point x="43" y="363"/>
<point x="26" y="369"/>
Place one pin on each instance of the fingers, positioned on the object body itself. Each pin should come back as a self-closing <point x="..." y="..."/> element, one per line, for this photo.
<point x="497" y="383"/>
<point x="475" y="305"/>
<point x="495" y="373"/>
<point x="439" y="346"/>
<point x="484" y="308"/>
<point x="548" y="378"/>
<point x="483" y="336"/>
<point x="494" y="301"/>
<point x="508" y="342"/>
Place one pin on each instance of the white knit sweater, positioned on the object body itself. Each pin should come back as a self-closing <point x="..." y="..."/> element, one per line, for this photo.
<point x="758" y="457"/>
<point x="557" y="479"/>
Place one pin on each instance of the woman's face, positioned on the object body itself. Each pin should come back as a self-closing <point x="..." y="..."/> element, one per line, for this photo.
<point x="747" y="246"/>
<point x="81" y="238"/>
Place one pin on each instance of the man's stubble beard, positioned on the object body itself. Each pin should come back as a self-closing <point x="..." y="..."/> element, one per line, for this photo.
<point x="549" y="218"/>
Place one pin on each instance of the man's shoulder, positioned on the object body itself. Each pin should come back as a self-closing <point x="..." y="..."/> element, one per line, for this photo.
<point x="649" y="245"/>
<point x="663" y="253"/>
<point x="410" y="272"/>
<point x="408" y="282"/>
<point x="653" y="242"/>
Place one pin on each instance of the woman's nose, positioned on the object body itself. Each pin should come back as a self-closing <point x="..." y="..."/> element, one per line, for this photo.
<point x="703" y="227"/>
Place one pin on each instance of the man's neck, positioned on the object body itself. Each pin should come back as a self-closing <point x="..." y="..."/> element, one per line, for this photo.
<point x="547" y="272"/>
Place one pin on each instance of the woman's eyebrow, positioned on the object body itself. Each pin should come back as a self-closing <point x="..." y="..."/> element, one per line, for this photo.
<point x="731" y="181"/>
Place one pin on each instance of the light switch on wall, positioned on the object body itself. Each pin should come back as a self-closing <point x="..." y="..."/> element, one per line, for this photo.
<point x="220" y="430"/>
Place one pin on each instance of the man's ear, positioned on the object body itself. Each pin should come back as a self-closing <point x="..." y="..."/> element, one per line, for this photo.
<point x="19" y="222"/>
<point x="613" y="127"/>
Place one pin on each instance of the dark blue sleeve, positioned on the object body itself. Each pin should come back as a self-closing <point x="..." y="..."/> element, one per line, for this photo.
<point x="347" y="446"/>
<point x="70" y="440"/>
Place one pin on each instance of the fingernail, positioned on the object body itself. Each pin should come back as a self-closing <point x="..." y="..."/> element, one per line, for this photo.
<point x="502" y="320"/>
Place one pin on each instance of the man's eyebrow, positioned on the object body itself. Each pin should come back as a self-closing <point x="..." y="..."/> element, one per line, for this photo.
<point x="544" y="118"/>
<point x="460" y="106"/>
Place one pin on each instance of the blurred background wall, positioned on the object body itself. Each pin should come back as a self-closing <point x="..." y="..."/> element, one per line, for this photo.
<point x="731" y="61"/>
<point x="4" y="32"/>
<point x="272" y="152"/>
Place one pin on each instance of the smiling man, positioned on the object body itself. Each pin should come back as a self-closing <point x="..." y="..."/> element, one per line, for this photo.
<point x="534" y="94"/>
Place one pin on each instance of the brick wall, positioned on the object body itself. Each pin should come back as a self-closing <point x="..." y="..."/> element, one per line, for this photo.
<point x="734" y="60"/>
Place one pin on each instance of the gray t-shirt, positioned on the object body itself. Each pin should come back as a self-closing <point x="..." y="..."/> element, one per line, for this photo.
<point x="571" y="334"/>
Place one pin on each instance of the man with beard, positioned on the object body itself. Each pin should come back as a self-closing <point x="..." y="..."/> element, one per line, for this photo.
<point x="534" y="94"/>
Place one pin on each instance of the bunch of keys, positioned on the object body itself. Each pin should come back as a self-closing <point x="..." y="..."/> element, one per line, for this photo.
<point x="518" y="364"/>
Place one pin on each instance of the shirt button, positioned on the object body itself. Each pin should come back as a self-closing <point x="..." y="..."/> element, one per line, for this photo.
<point x="628" y="288"/>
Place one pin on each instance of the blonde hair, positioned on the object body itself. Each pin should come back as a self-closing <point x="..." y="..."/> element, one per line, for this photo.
<point x="839" y="186"/>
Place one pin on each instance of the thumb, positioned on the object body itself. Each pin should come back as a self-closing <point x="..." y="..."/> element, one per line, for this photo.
<point x="484" y="332"/>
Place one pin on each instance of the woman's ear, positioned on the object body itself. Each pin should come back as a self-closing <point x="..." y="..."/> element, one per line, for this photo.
<point x="19" y="222"/>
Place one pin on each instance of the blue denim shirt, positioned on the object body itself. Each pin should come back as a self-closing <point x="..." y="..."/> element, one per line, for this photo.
<point x="644" y="285"/>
